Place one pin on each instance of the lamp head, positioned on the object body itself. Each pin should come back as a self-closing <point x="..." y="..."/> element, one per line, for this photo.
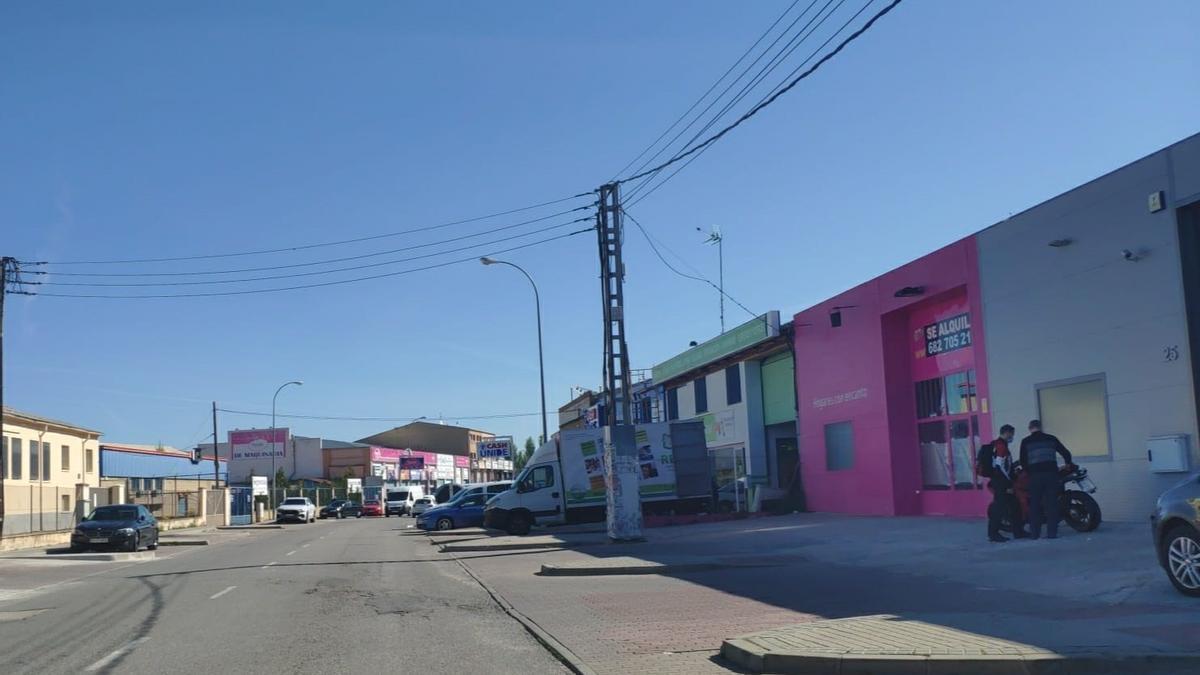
<point x="487" y="261"/>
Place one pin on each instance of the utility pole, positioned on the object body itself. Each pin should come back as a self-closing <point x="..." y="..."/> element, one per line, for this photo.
<point x="216" y="452"/>
<point x="5" y="262"/>
<point x="620" y="465"/>
<point x="715" y="238"/>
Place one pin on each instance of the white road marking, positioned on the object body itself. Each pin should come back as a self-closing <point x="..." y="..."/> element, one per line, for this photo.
<point x="291" y="553"/>
<point x="116" y="654"/>
<point x="306" y="546"/>
<point x="214" y="596"/>
<point x="267" y="565"/>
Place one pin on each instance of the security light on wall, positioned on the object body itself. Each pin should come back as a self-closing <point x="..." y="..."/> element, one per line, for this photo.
<point x="909" y="292"/>
<point x="1061" y="243"/>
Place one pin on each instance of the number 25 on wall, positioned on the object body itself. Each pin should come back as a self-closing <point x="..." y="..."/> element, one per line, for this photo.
<point x="1171" y="353"/>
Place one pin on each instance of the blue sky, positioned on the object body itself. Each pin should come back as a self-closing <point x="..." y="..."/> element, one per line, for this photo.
<point x="135" y="130"/>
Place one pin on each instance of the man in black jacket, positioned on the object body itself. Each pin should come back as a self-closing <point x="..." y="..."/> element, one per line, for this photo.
<point x="1038" y="458"/>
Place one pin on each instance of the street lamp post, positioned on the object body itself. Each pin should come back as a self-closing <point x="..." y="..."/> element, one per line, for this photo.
<point x="273" y="398"/>
<point x="537" y="300"/>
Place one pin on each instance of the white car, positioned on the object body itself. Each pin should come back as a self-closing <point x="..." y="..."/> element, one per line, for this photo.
<point x="422" y="505"/>
<point x="300" y="509"/>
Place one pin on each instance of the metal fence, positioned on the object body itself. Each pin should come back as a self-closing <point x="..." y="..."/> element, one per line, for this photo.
<point x="168" y="505"/>
<point x="32" y="509"/>
<point x="319" y="496"/>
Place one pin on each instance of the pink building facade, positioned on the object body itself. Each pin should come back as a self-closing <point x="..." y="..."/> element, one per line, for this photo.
<point x="892" y="391"/>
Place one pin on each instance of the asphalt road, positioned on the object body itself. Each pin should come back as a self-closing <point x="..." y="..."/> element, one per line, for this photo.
<point x="336" y="596"/>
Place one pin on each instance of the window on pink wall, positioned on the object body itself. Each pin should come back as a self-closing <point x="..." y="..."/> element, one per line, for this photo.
<point x="948" y="431"/>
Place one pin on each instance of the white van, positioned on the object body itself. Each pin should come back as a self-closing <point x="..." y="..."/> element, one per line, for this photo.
<point x="399" y="500"/>
<point x="490" y="489"/>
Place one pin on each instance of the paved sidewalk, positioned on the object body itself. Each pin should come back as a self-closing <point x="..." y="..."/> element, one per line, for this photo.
<point x="901" y="646"/>
<point x="1077" y="594"/>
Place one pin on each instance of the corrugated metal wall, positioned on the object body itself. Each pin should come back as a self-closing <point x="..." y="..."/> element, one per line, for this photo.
<point x="117" y="464"/>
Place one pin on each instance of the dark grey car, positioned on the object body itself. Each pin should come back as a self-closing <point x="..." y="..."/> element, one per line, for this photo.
<point x="1176" y="526"/>
<point x="126" y="527"/>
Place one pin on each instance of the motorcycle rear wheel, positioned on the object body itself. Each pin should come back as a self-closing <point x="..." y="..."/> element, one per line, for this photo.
<point x="1080" y="511"/>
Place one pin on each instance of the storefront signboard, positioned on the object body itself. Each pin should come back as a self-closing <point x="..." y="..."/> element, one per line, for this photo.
<point x="256" y="443"/>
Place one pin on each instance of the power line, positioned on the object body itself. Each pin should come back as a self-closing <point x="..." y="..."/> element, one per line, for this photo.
<point x="327" y="261"/>
<point x="725" y="91"/>
<point x="316" y="285"/>
<point x="799" y="38"/>
<point x="742" y="95"/>
<point x="653" y="247"/>
<point x="377" y="419"/>
<point x="710" y="90"/>
<point x="763" y="104"/>
<point x="303" y="247"/>
<point x="353" y="268"/>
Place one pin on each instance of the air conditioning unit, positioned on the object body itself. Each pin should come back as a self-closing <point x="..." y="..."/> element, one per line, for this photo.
<point x="1168" y="454"/>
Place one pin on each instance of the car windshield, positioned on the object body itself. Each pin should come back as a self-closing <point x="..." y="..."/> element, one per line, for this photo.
<point x="397" y="496"/>
<point x="114" y="513"/>
<point x="295" y="501"/>
<point x="336" y="503"/>
<point x="371" y="502"/>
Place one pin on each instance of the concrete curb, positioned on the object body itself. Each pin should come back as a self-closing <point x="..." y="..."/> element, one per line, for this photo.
<point x="477" y="548"/>
<point x="249" y="527"/>
<point x="551" y="643"/>
<point x="116" y="556"/>
<point x="185" y="542"/>
<point x="551" y="570"/>
<point x="755" y="660"/>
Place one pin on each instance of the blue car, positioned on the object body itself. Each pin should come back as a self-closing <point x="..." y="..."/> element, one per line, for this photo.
<point x="465" y="512"/>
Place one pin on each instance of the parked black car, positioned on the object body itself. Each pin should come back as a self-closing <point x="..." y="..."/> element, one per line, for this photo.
<point x="1176" y="526"/>
<point x="341" y="508"/>
<point x="126" y="527"/>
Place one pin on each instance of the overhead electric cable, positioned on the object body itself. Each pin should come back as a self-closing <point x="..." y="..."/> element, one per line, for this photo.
<point x="303" y="247"/>
<point x="323" y="284"/>
<point x="710" y="90"/>
<point x="312" y="263"/>
<point x="275" y="277"/>
<point x="757" y="108"/>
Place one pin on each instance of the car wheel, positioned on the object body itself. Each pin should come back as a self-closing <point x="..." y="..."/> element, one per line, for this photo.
<point x="518" y="524"/>
<point x="134" y="543"/>
<point x="445" y="524"/>
<point x="359" y="515"/>
<point x="1181" y="549"/>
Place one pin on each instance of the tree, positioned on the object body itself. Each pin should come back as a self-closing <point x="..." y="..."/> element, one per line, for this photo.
<point x="281" y="481"/>
<point x="523" y="456"/>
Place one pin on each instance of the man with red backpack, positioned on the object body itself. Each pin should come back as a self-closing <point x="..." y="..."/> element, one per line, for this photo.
<point x="994" y="462"/>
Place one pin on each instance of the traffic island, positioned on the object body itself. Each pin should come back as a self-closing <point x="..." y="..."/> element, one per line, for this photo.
<point x="874" y="645"/>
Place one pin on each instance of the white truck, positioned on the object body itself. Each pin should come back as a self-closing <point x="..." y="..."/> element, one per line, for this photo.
<point x="563" y="482"/>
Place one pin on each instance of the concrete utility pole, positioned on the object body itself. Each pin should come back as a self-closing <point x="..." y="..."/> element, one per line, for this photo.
<point x="5" y="263"/>
<point x="216" y="452"/>
<point x="715" y="238"/>
<point x="620" y="463"/>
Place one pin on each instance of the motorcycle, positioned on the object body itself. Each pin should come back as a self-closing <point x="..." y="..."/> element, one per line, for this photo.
<point x="1075" y="506"/>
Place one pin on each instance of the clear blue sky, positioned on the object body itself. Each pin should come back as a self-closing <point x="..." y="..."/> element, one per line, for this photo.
<point x="141" y="130"/>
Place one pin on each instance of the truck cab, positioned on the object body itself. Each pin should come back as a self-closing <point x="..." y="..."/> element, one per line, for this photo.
<point x="536" y="496"/>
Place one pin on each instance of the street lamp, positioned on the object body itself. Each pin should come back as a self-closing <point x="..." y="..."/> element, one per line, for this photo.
<point x="273" y="398"/>
<point x="537" y="300"/>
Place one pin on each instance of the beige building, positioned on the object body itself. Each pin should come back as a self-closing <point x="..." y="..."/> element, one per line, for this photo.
<point x="48" y="465"/>
<point x="446" y="439"/>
